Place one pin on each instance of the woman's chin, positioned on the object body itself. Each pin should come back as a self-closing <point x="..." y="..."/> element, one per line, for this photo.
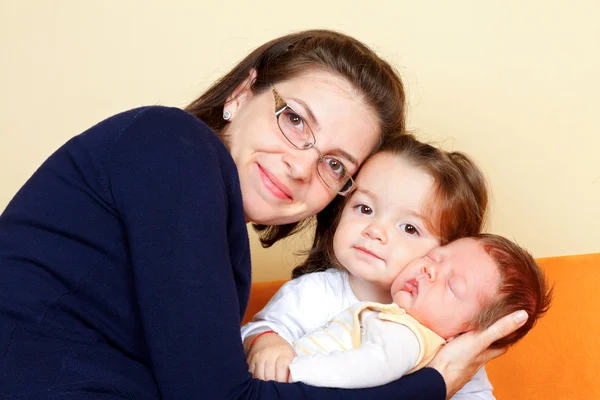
<point x="269" y="215"/>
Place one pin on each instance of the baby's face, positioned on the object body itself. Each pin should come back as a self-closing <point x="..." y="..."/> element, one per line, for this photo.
<point x="449" y="286"/>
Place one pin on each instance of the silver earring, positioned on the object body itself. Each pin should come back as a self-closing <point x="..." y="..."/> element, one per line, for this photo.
<point x="227" y="115"/>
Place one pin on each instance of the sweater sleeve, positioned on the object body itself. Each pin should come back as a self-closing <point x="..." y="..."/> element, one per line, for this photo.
<point x="177" y="192"/>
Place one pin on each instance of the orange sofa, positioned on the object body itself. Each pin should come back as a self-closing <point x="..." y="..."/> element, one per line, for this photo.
<point x="560" y="358"/>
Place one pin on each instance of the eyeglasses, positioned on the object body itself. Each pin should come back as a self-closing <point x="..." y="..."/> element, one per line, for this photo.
<point x="294" y="128"/>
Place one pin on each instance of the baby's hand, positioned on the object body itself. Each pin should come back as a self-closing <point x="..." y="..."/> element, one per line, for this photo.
<point x="269" y="358"/>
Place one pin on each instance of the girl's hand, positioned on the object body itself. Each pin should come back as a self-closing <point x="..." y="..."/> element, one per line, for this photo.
<point x="461" y="358"/>
<point x="269" y="358"/>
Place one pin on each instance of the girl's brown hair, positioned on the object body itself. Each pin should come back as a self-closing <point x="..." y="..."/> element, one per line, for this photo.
<point x="456" y="207"/>
<point x="289" y="56"/>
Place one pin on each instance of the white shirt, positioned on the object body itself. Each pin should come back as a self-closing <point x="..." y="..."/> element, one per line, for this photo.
<point x="306" y="303"/>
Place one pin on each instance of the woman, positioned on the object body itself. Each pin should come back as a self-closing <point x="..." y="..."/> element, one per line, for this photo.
<point x="124" y="260"/>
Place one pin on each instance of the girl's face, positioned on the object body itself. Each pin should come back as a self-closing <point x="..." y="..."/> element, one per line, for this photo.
<point x="279" y="182"/>
<point x="382" y="227"/>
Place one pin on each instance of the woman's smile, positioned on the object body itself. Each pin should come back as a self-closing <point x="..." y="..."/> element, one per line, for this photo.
<point x="274" y="185"/>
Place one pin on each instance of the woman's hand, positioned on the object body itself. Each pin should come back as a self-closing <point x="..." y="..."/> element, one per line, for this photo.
<point x="269" y="358"/>
<point x="461" y="358"/>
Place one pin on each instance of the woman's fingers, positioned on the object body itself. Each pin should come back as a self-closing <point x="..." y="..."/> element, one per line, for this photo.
<point x="503" y="327"/>
<point x="490" y="354"/>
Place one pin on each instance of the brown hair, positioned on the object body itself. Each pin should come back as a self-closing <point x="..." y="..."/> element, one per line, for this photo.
<point x="457" y="205"/>
<point x="289" y="56"/>
<point x="523" y="286"/>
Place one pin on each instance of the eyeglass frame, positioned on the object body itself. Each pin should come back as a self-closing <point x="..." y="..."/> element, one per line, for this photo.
<point x="280" y="106"/>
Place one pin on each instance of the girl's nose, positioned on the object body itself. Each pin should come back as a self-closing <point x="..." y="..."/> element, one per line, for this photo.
<point x="376" y="231"/>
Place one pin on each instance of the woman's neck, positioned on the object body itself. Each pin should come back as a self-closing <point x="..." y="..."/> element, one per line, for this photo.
<point x="368" y="291"/>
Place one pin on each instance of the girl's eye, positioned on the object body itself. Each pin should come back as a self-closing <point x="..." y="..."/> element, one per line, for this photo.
<point x="364" y="209"/>
<point x="410" y="229"/>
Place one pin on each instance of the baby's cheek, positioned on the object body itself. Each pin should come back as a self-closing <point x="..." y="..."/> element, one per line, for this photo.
<point x="401" y="301"/>
<point x="449" y="326"/>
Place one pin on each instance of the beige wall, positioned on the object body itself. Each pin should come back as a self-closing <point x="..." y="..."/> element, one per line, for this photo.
<point x="513" y="83"/>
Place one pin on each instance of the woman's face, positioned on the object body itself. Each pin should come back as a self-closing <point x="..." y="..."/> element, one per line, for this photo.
<point x="279" y="182"/>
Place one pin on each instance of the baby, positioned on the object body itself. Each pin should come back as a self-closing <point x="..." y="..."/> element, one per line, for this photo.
<point x="465" y="285"/>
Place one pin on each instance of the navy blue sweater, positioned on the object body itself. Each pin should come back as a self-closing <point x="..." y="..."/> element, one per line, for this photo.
<point x="125" y="271"/>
